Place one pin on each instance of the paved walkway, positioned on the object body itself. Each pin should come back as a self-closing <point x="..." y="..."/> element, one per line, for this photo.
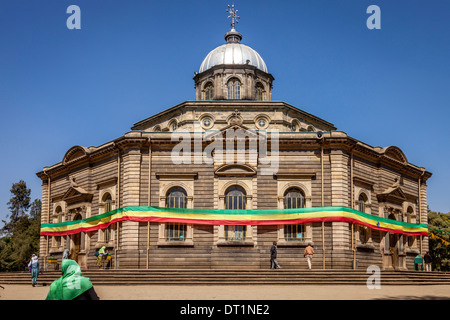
<point x="274" y="292"/>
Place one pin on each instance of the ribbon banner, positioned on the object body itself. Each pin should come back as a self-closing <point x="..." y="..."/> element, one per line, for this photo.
<point x="233" y="217"/>
<point x="445" y="242"/>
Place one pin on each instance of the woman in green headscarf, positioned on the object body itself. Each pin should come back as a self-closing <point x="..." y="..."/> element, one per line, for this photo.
<point x="71" y="286"/>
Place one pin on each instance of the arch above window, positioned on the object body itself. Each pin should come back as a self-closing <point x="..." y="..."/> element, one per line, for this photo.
<point x="260" y="92"/>
<point x="208" y="91"/>
<point x="173" y="125"/>
<point x="295" y="125"/>
<point x="294" y="198"/>
<point x="235" y="198"/>
<point x="362" y="203"/>
<point x="234" y="89"/>
<point x="176" y="197"/>
<point x="107" y="200"/>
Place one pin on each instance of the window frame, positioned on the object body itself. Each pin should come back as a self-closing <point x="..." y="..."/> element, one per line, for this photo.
<point x="234" y="86"/>
<point x="168" y="183"/>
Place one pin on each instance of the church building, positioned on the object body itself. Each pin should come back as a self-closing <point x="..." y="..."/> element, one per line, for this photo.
<point x="212" y="183"/>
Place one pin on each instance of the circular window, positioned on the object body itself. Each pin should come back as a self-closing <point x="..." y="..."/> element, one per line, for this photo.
<point x="262" y="122"/>
<point x="206" y="122"/>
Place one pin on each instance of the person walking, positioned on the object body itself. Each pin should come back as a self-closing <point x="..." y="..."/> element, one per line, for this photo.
<point x="308" y="254"/>
<point x="66" y="254"/>
<point x="427" y="259"/>
<point x="35" y="268"/>
<point x="273" y="257"/>
<point x="71" y="285"/>
<point x="100" y="255"/>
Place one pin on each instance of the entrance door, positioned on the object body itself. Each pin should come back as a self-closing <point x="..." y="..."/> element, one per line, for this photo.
<point x="393" y="246"/>
<point x="76" y="239"/>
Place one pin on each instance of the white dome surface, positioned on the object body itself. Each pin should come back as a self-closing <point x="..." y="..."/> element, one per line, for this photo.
<point x="233" y="53"/>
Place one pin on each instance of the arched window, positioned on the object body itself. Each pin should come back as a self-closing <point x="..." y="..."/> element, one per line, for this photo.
<point x="176" y="198"/>
<point x="363" y="230"/>
<point x="410" y="218"/>
<point x="173" y="125"/>
<point x="234" y="89"/>
<point x="107" y="207"/>
<point x="59" y="218"/>
<point x="107" y="202"/>
<point x="209" y="91"/>
<point x="235" y="199"/>
<point x="362" y="203"/>
<point x="260" y="92"/>
<point x="294" y="198"/>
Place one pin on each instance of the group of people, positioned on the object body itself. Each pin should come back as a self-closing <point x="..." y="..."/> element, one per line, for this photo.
<point x="308" y="254"/>
<point x="73" y="286"/>
<point x="70" y="286"/>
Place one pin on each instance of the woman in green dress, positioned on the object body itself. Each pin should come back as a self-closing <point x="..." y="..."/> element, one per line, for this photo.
<point x="71" y="286"/>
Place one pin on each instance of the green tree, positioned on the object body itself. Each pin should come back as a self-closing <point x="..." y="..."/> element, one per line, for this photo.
<point x="21" y="232"/>
<point x="18" y="205"/>
<point x="439" y="224"/>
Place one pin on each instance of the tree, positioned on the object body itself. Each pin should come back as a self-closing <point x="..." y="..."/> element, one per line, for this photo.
<point x="439" y="224"/>
<point x="22" y="231"/>
<point x="18" y="205"/>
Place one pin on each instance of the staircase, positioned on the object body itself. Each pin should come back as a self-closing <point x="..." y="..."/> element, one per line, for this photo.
<point x="235" y="277"/>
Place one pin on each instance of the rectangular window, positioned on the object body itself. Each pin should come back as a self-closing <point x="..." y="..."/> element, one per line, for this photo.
<point x="107" y="234"/>
<point x="58" y="242"/>
<point x="108" y="206"/>
<point x="235" y="233"/>
<point x="294" y="232"/>
<point x="176" y="232"/>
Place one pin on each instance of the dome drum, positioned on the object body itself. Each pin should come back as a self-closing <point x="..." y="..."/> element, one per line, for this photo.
<point x="230" y="61"/>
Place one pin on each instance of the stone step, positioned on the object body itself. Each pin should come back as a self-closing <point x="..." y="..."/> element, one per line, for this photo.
<point x="236" y="277"/>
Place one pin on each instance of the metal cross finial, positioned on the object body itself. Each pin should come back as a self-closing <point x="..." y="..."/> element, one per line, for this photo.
<point x="233" y="15"/>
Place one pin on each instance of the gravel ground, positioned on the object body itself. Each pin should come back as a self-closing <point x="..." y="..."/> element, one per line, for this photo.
<point x="233" y="293"/>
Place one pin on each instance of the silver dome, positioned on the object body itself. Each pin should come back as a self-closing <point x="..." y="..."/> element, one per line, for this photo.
<point x="233" y="53"/>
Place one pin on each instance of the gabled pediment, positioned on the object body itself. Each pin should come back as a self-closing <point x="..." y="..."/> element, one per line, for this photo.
<point x="232" y="131"/>
<point x="76" y="194"/>
<point x="392" y="194"/>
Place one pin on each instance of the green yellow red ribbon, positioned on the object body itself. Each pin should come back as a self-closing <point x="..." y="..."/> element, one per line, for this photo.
<point x="233" y="217"/>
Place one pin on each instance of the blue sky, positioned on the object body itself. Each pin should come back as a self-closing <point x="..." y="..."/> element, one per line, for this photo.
<point x="133" y="59"/>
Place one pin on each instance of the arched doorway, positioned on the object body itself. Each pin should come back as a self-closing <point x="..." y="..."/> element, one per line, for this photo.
<point x="76" y="241"/>
<point x="393" y="246"/>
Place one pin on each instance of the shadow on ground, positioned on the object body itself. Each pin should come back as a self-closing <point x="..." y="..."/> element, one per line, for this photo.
<point x="414" y="298"/>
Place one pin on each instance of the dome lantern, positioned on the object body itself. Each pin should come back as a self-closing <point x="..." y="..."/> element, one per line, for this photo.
<point x="233" y="70"/>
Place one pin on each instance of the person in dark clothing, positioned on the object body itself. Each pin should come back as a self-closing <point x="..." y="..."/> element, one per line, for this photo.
<point x="273" y="257"/>
<point x="427" y="259"/>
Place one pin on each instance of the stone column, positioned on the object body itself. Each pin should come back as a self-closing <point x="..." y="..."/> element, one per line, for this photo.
<point x="130" y="189"/>
<point x="423" y="216"/>
<point x="45" y="218"/>
<point x="341" y="250"/>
